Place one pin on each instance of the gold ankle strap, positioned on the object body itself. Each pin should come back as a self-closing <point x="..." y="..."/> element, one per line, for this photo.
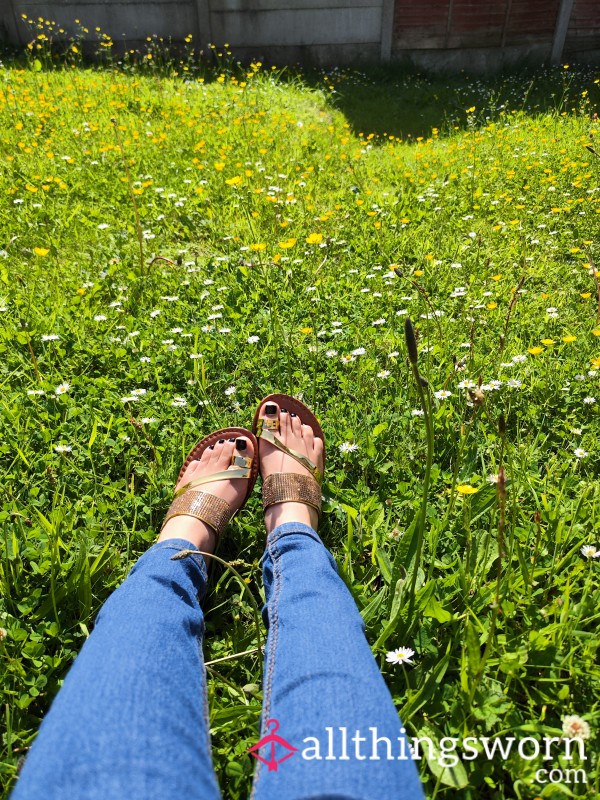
<point x="288" y="487"/>
<point x="208" y="508"/>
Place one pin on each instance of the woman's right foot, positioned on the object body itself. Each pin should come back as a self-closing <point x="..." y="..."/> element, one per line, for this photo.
<point x="297" y="436"/>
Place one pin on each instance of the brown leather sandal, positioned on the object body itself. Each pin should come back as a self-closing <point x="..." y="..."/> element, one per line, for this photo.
<point x="290" y="487"/>
<point x="214" y="511"/>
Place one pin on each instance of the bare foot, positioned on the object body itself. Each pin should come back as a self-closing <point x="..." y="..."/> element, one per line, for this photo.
<point x="298" y="437"/>
<point x="214" y="459"/>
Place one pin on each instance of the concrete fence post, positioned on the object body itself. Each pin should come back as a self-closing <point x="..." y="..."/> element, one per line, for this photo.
<point x="560" y="31"/>
<point x="387" y="29"/>
<point x="204" y="27"/>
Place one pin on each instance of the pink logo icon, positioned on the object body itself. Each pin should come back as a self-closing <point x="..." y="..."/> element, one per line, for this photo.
<point x="272" y="739"/>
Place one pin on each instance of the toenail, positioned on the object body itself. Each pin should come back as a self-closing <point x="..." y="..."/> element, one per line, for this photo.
<point x="232" y="439"/>
<point x="271" y="408"/>
<point x="292" y="414"/>
<point x="221" y="441"/>
<point x="283" y="410"/>
<point x="211" y="447"/>
<point x="240" y="444"/>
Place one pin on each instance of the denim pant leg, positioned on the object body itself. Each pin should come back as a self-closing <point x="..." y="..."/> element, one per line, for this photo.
<point x="321" y="681"/>
<point x="131" y="721"/>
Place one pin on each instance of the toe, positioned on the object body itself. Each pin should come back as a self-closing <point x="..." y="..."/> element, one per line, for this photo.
<point x="296" y="424"/>
<point x="205" y="457"/>
<point x="285" y="426"/>
<point x="269" y="410"/>
<point x="308" y="436"/>
<point x="318" y="452"/>
<point x="242" y="447"/>
<point x="222" y="449"/>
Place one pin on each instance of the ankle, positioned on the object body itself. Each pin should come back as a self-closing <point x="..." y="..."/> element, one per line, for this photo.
<point x="280" y="513"/>
<point x="193" y="530"/>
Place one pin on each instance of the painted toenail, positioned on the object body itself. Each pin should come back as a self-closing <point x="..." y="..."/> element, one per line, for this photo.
<point x="283" y="410"/>
<point x="292" y="414"/>
<point x="221" y="441"/>
<point x="232" y="439"/>
<point x="271" y="408"/>
<point x="211" y="447"/>
<point x="240" y="444"/>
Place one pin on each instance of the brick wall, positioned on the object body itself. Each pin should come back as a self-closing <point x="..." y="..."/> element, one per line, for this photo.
<point x="584" y="27"/>
<point x="452" y="24"/>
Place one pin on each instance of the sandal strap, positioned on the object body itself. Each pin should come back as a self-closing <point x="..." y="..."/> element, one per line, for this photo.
<point x="224" y="475"/>
<point x="208" y="508"/>
<point x="289" y="487"/>
<point x="263" y="433"/>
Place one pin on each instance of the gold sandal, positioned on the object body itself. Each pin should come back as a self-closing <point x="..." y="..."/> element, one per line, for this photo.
<point x="214" y="511"/>
<point x="290" y="487"/>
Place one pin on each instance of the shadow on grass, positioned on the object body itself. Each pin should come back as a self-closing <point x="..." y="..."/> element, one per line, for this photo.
<point x="393" y="101"/>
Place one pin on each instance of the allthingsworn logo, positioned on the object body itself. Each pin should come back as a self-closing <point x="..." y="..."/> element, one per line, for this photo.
<point x="276" y="748"/>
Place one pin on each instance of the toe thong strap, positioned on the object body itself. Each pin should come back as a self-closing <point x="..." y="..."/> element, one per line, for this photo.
<point x="208" y="508"/>
<point x="264" y="433"/>
<point x="288" y="487"/>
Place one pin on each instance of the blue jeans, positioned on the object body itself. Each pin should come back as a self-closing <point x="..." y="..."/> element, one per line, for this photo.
<point x="131" y="720"/>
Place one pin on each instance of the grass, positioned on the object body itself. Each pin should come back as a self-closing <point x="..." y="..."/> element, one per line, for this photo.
<point x="179" y="240"/>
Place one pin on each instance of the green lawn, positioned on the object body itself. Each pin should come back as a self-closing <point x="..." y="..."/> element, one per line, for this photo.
<point x="299" y="220"/>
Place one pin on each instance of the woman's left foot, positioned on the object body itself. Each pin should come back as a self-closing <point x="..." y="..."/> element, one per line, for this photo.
<point x="214" y="459"/>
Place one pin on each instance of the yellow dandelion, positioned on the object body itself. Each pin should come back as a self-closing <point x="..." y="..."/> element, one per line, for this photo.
<point x="258" y="246"/>
<point x="547" y="342"/>
<point x="492" y="306"/>
<point x="569" y="339"/>
<point x="497" y="277"/>
<point x="585" y="295"/>
<point x="234" y="181"/>
<point x="596" y="331"/>
<point x="418" y="273"/>
<point x="464" y="488"/>
<point x="306" y="330"/>
<point x="535" y="351"/>
<point x="219" y="165"/>
<point x="40" y="251"/>
<point x="287" y="244"/>
<point x="314" y="238"/>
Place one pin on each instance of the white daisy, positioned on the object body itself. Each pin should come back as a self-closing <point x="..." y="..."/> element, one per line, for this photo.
<point x="442" y="394"/>
<point x="589" y="551"/>
<point x="579" y="452"/>
<point x="348" y="447"/>
<point x="230" y="390"/>
<point x="402" y="655"/>
<point x="62" y="388"/>
<point x="63" y="448"/>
